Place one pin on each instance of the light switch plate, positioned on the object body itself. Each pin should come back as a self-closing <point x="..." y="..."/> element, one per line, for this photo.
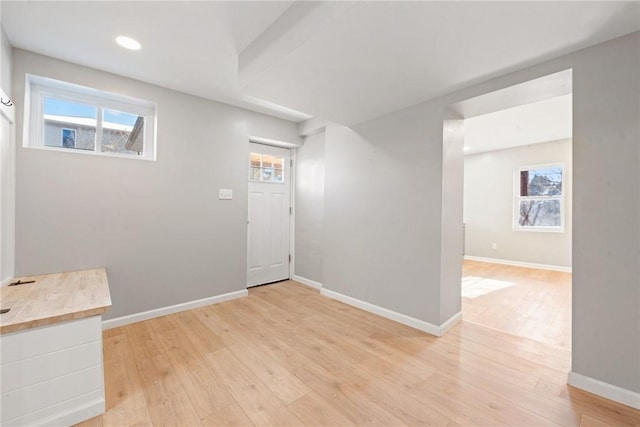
<point x="225" y="194"/>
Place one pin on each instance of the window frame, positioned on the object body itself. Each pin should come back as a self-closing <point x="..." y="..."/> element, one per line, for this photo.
<point x="273" y="168"/>
<point x="518" y="198"/>
<point x="37" y="88"/>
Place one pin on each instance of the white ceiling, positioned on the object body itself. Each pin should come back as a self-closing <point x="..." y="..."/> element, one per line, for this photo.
<point x="342" y="61"/>
<point x="542" y="121"/>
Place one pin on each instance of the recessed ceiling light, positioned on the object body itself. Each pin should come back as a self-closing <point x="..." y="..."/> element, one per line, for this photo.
<point x="466" y="148"/>
<point x="128" y="43"/>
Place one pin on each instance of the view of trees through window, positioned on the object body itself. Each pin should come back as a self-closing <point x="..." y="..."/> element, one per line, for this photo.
<point x="540" y="197"/>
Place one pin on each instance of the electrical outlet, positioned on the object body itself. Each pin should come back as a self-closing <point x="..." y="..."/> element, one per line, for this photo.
<point x="494" y="246"/>
<point x="225" y="194"/>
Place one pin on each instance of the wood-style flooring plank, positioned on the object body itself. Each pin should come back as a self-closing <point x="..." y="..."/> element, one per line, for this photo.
<point x="528" y="302"/>
<point x="282" y="383"/>
<point x="230" y="416"/>
<point x="256" y="399"/>
<point x="314" y="411"/>
<point x="167" y="401"/>
<point x="286" y="355"/>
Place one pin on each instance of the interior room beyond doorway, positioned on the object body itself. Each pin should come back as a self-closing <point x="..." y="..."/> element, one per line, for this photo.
<point x="517" y="209"/>
<point x="527" y="302"/>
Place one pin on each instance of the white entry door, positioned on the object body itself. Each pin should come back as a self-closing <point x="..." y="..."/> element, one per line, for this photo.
<point x="269" y="214"/>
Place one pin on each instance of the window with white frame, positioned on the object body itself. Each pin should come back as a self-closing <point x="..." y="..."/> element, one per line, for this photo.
<point x="68" y="117"/>
<point x="539" y="199"/>
<point x="266" y="168"/>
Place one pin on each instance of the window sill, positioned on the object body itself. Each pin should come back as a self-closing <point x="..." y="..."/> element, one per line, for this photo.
<point x="88" y="152"/>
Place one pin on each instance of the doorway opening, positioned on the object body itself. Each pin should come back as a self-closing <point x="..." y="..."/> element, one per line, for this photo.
<point x="517" y="228"/>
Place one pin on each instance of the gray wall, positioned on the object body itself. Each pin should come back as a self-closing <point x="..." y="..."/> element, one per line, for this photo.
<point x="489" y="199"/>
<point x="309" y="196"/>
<point x="7" y="170"/>
<point x="606" y="242"/>
<point x="385" y="216"/>
<point x="157" y="227"/>
<point x="451" y="234"/>
<point x="382" y="212"/>
<point x="5" y="62"/>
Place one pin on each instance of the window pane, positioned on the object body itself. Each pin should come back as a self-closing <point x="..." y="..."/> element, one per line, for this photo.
<point x="278" y="163"/>
<point x="541" y="182"/>
<point x="266" y="168"/>
<point x="267" y="174"/>
<point x="69" y="124"/>
<point x="540" y="213"/>
<point x="255" y="160"/>
<point x="122" y="132"/>
<point x="256" y="174"/>
<point x="267" y="161"/>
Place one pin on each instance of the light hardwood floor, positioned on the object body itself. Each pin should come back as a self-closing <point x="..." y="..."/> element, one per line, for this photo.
<point x="528" y="302"/>
<point x="286" y="355"/>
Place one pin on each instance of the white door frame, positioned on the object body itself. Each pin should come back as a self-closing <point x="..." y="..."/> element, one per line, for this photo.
<point x="292" y="217"/>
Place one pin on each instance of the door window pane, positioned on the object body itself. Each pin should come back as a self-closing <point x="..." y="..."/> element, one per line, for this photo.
<point x="278" y="163"/>
<point x="266" y="168"/>
<point x="256" y="160"/>
<point x="267" y="161"/>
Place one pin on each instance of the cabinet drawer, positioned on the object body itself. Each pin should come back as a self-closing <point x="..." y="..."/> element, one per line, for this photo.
<point x="24" y="373"/>
<point x="23" y="401"/>
<point x="48" y="339"/>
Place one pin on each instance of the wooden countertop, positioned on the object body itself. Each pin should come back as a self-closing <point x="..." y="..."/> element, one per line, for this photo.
<point x="54" y="298"/>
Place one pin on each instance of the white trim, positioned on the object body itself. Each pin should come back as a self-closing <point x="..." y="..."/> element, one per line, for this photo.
<point x="163" y="311"/>
<point x="307" y="282"/>
<point x="606" y="390"/>
<point x="272" y="142"/>
<point x="519" y="263"/>
<point x="453" y="320"/>
<point x="421" y="325"/>
<point x="292" y="215"/>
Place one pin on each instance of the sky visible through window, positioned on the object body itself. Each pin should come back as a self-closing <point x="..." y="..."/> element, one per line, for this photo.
<point x="59" y="107"/>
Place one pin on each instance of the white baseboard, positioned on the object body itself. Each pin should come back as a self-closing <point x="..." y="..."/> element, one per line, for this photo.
<point x="307" y="282"/>
<point x="453" y="320"/>
<point x="75" y="415"/>
<point x="163" y="311"/>
<point x="395" y="316"/>
<point x="518" y="263"/>
<point x="606" y="390"/>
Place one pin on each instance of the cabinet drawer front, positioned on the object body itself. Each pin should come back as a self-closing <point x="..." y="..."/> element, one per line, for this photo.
<point x="24" y="373"/>
<point x="23" y="401"/>
<point x="38" y="341"/>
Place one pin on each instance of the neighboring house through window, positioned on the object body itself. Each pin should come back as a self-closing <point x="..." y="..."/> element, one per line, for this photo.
<point x="67" y="117"/>
<point x="539" y="199"/>
<point x="266" y="168"/>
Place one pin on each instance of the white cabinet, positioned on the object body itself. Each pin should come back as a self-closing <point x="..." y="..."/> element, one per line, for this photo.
<point x="52" y="375"/>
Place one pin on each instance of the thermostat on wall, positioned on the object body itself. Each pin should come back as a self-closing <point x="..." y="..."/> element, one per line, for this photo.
<point x="225" y="194"/>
